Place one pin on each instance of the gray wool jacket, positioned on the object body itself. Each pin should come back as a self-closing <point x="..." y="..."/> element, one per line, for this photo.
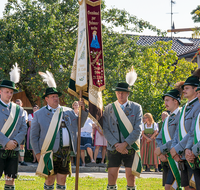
<point x="172" y="126"/>
<point x="192" y="110"/>
<point x="19" y="131"/>
<point x="110" y="125"/>
<point x="40" y="125"/>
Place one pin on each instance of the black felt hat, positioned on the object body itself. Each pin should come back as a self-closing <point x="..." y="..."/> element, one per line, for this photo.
<point x="198" y="88"/>
<point x="192" y="81"/>
<point x="173" y="94"/>
<point x="8" y="84"/>
<point x="122" y="86"/>
<point x="51" y="90"/>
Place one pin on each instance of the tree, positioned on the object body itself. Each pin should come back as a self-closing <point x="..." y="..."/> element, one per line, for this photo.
<point x="196" y="14"/>
<point x="157" y="66"/>
<point x="42" y="35"/>
<point x="158" y="70"/>
<point x="196" y="19"/>
<point x="38" y="36"/>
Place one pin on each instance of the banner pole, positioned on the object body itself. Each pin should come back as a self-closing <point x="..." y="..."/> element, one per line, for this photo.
<point x="78" y="143"/>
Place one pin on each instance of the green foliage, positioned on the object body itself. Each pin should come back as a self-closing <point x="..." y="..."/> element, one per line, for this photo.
<point x="38" y="36"/>
<point x="157" y="66"/>
<point x="196" y="19"/>
<point x="42" y="35"/>
<point x="196" y="14"/>
<point x="158" y="70"/>
<point x="122" y="18"/>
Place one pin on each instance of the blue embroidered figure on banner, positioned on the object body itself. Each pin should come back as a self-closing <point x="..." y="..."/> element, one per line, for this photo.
<point x="95" y="43"/>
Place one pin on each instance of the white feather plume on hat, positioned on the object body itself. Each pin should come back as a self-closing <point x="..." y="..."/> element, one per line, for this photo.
<point x="48" y="78"/>
<point x="131" y="77"/>
<point x="15" y="73"/>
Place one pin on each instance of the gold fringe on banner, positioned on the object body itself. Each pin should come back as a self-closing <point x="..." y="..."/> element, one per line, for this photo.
<point x="93" y="4"/>
<point x="83" y="88"/>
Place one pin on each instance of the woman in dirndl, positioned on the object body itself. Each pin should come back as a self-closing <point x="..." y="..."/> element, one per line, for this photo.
<point x="148" y="143"/>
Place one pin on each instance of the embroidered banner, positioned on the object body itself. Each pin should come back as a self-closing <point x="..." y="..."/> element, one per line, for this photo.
<point x="81" y="51"/>
<point x="95" y="43"/>
<point x="85" y="76"/>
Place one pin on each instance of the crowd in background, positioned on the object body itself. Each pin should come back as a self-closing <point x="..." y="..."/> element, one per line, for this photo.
<point x="93" y="141"/>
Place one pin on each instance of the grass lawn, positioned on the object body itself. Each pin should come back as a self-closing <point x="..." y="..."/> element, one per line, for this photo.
<point x="85" y="183"/>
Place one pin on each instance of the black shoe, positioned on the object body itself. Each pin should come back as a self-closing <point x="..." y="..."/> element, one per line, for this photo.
<point x="156" y="170"/>
<point x="148" y="170"/>
<point x="24" y="164"/>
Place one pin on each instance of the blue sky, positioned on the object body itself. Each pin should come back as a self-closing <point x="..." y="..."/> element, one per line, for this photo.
<point x="155" y="12"/>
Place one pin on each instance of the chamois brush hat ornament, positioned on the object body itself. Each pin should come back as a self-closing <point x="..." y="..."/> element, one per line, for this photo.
<point x="49" y="79"/>
<point x="130" y="80"/>
<point x="14" y="78"/>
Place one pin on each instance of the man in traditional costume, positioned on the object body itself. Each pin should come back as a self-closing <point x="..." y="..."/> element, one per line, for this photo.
<point x="53" y="135"/>
<point x="13" y="129"/>
<point x="122" y="122"/>
<point x="171" y="175"/>
<point x="193" y="154"/>
<point x="186" y="125"/>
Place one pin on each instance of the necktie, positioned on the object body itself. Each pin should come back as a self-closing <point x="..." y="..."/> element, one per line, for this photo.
<point x="8" y="107"/>
<point x="122" y="106"/>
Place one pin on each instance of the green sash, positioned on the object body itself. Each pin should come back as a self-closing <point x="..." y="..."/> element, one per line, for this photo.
<point x="126" y="128"/>
<point x="196" y="140"/>
<point x="197" y="133"/>
<point x="182" y="134"/>
<point x="176" y="185"/>
<point x="11" y="122"/>
<point x="45" y="166"/>
<point x="182" y="131"/>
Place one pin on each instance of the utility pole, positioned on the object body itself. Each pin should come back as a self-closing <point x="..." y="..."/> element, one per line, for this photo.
<point x="172" y="2"/>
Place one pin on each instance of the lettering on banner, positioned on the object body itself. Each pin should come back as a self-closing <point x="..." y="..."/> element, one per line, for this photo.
<point x="93" y="13"/>
<point x="94" y="28"/>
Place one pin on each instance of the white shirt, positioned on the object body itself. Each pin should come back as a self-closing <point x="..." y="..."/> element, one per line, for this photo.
<point x="25" y="114"/>
<point x="30" y="117"/>
<point x="86" y="130"/>
<point x="65" y="133"/>
<point x="192" y="100"/>
<point x="7" y="105"/>
<point x="123" y="104"/>
<point x="154" y="126"/>
<point x="175" y="111"/>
